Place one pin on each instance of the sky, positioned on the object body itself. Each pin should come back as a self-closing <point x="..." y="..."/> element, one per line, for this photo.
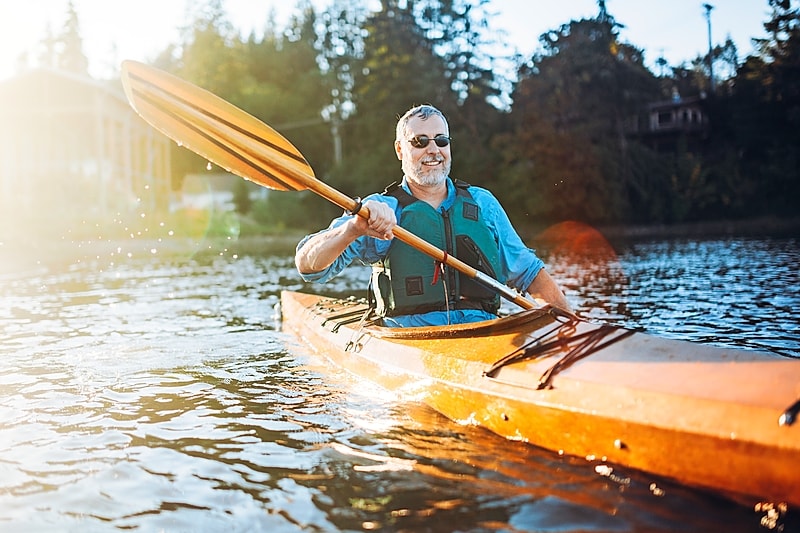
<point x="115" y="30"/>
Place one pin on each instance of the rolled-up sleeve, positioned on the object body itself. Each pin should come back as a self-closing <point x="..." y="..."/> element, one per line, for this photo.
<point x="520" y="263"/>
<point x="367" y="250"/>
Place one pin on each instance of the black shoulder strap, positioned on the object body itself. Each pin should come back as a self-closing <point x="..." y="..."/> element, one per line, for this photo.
<point x="403" y="198"/>
<point x="462" y="188"/>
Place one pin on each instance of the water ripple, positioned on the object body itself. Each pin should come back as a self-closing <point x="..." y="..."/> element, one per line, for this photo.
<point x="159" y="394"/>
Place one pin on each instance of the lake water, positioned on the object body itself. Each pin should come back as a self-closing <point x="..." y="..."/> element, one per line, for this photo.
<point x="148" y="387"/>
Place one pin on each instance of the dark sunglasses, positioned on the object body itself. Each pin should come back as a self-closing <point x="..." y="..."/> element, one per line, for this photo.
<point x="421" y="141"/>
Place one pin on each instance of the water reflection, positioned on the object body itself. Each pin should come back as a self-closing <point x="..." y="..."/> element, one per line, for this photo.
<point x="158" y="393"/>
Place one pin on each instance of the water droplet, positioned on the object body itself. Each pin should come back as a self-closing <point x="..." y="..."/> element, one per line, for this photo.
<point x="603" y="470"/>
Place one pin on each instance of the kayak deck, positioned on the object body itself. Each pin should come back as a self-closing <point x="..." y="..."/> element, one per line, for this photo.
<point x="704" y="416"/>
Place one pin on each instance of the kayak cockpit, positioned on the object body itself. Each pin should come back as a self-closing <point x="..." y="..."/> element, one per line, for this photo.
<point x="350" y="311"/>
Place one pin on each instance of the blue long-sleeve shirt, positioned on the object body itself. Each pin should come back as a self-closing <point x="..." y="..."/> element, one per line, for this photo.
<point x="519" y="263"/>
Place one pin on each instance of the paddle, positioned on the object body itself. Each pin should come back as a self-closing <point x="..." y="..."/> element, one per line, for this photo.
<point x="242" y="144"/>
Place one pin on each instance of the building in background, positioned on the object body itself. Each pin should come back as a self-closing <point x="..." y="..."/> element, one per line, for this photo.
<point x="72" y="146"/>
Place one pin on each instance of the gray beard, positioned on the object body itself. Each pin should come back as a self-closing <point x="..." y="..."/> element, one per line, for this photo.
<point x="426" y="179"/>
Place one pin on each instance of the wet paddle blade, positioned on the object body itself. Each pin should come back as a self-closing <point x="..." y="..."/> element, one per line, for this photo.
<point x="215" y="129"/>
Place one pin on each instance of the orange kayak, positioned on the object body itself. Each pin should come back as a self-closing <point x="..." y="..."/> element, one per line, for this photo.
<point x="715" y="418"/>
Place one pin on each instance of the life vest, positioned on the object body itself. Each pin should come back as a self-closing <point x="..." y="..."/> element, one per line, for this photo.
<point x="408" y="281"/>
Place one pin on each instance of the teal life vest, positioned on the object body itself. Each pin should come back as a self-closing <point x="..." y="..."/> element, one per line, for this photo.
<point x="408" y="281"/>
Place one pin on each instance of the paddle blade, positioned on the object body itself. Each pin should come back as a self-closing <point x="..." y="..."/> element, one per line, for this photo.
<point x="215" y="129"/>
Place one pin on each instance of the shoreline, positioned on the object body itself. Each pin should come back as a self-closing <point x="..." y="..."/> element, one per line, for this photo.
<point x="761" y="226"/>
<point x="33" y="251"/>
<point x="753" y="227"/>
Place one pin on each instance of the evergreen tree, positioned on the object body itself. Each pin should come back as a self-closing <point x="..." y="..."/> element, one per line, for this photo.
<point x="286" y="88"/>
<point x="398" y="69"/>
<point x="47" y="53"/>
<point x="209" y="56"/>
<point x="341" y="48"/>
<point x="766" y="108"/>
<point x="568" y="145"/>
<point x="460" y="33"/>
<point x="417" y="52"/>
<point x="65" y="50"/>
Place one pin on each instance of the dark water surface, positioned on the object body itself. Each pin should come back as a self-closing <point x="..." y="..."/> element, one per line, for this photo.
<point x="149" y="389"/>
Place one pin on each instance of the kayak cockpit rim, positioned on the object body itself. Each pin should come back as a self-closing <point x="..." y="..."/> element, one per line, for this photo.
<point x="337" y="312"/>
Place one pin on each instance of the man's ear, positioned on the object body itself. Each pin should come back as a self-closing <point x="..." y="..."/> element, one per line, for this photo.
<point x="398" y="150"/>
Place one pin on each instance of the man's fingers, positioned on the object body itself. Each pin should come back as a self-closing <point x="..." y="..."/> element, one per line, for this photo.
<point x="381" y="220"/>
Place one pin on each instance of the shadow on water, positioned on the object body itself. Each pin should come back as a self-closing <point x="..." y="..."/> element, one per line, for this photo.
<point x="156" y="392"/>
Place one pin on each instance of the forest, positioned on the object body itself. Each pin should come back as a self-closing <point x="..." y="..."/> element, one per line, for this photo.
<point x="556" y="140"/>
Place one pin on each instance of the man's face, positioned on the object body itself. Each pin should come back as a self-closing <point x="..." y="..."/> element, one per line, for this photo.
<point x="428" y="166"/>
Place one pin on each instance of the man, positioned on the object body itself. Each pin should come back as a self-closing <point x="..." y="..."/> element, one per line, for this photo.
<point x="408" y="287"/>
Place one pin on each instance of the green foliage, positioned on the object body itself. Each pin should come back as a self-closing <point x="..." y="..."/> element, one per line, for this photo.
<point x="398" y="69"/>
<point x="334" y="82"/>
<point x="766" y="111"/>
<point x="296" y="210"/>
<point x="567" y="143"/>
<point x="556" y="144"/>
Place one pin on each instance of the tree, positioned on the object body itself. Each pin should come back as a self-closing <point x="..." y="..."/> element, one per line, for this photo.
<point x="65" y="50"/>
<point x="47" y="55"/>
<point x="341" y="48"/>
<point x="286" y="88"/>
<point x="206" y="56"/>
<point x="694" y="78"/>
<point x="209" y="56"/>
<point x="568" y="142"/>
<point x="72" y="58"/>
<point x="766" y="108"/>
<point x="416" y="52"/>
<point x="398" y="69"/>
<point x="460" y="35"/>
<point x="459" y="31"/>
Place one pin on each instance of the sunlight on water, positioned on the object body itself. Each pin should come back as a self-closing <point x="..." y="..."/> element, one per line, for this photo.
<point x="729" y="292"/>
<point x="146" y="387"/>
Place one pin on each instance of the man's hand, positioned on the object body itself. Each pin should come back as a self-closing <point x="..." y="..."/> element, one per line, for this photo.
<point x="380" y="223"/>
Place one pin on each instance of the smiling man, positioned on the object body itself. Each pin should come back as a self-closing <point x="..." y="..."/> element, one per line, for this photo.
<point x="408" y="288"/>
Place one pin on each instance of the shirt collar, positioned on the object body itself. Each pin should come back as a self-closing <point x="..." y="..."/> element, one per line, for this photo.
<point x="451" y="192"/>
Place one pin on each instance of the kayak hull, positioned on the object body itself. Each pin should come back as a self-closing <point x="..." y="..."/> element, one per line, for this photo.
<point x="701" y="415"/>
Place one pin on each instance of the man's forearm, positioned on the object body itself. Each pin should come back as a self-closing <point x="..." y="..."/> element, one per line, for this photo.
<point x="321" y="250"/>
<point x="544" y="287"/>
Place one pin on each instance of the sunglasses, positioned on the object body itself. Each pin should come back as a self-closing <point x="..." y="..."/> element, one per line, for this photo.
<point x="421" y="141"/>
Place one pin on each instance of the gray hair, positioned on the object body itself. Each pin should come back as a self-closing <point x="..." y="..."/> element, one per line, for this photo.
<point x="421" y="111"/>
